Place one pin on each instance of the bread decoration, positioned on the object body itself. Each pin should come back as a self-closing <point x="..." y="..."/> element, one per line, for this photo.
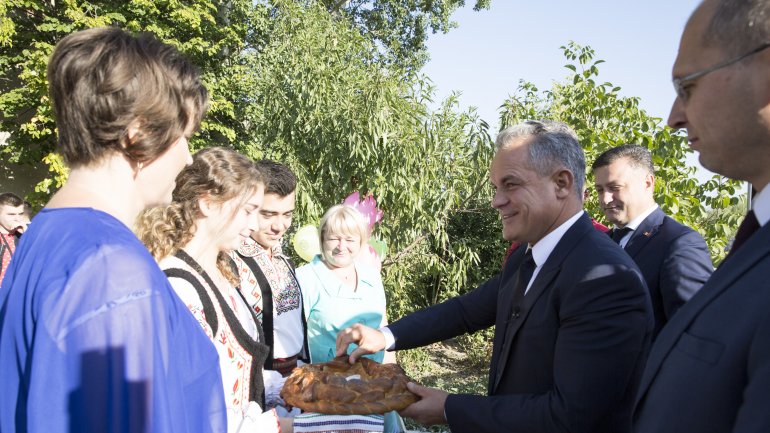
<point x="339" y="388"/>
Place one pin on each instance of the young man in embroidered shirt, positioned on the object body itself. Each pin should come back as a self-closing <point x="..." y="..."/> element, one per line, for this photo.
<point x="268" y="281"/>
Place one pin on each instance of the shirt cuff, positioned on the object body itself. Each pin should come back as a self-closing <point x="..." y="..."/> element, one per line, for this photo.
<point x="390" y="340"/>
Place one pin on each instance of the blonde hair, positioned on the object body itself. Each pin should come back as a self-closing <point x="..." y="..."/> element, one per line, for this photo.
<point x="216" y="173"/>
<point x="345" y="220"/>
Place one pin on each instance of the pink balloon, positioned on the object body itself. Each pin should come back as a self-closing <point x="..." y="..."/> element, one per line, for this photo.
<point x="367" y="207"/>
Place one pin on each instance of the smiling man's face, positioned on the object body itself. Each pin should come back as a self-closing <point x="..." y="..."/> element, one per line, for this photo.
<point x="275" y="217"/>
<point x="526" y="201"/>
<point x="625" y="190"/>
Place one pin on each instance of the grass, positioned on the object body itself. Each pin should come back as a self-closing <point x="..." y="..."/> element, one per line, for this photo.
<point x="457" y="366"/>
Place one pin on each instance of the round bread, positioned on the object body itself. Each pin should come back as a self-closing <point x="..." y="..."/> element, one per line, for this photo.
<point x="339" y="388"/>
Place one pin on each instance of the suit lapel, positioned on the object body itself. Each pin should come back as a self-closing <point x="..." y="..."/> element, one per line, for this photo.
<point x="755" y="249"/>
<point x="542" y="282"/>
<point x="504" y="309"/>
<point x="646" y="231"/>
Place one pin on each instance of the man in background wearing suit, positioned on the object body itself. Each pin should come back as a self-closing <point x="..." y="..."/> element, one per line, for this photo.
<point x="709" y="369"/>
<point x="572" y="315"/>
<point x="673" y="258"/>
<point x="12" y="225"/>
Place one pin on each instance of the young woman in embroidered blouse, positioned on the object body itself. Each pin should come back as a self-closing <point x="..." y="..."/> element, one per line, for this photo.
<point x="214" y="208"/>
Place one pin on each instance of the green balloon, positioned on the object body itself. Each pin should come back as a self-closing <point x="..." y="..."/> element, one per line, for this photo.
<point x="380" y="247"/>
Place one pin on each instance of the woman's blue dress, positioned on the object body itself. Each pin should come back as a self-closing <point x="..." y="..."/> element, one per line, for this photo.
<point x="93" y="338"/>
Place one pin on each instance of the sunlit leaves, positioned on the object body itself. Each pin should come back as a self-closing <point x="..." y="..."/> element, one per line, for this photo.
<point x="603" y="119"/>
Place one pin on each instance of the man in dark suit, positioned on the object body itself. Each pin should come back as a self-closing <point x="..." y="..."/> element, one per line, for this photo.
<point x="572" y="314"/>
<point x="709" y="369"/>
<point x="12" y="225"/>
<point x="673" y="258"/>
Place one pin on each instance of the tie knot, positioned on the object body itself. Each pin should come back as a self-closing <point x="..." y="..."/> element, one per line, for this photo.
<point x="617" y="234"/>
<point x="524" y="274"/>
<point x="528" y="259"/>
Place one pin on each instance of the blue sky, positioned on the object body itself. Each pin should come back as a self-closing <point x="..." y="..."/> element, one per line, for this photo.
<point x="490" y="51"/>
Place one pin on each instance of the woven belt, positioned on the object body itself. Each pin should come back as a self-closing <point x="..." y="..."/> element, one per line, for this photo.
<point x="285" y="365"/>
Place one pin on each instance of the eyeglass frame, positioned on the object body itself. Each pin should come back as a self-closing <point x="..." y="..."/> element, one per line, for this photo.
<point x="680" y="82"/>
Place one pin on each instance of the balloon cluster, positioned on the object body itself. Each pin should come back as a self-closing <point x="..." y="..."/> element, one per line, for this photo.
<point x="367" y="207"/>
<point x="306" y="242"/>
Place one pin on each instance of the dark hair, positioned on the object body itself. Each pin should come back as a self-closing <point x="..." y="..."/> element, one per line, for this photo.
<point x="10" y="199"/>
<point x="279" y="179"/>
<point x="637" y="156"/>
<point x="739" y="25"/>
<point x="554" y="146"/>
<point x="104" y="81"/>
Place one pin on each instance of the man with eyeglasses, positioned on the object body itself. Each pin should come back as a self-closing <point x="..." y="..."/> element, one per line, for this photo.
<point x="709" y="369"/>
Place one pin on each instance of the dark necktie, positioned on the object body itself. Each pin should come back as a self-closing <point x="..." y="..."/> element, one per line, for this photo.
<point x="746" y="229"/>
<point x="524" y="274"/>
<point x="617" y="234"/>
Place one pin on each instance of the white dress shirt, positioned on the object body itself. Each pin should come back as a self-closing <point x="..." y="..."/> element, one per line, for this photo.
<point x="544" y="247"/>
<point x="761" y="206"/>
<point x="633" y="225"/>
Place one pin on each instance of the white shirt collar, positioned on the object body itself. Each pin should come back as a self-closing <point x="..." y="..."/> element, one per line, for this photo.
<point x="634" y="223"/>
<point x="544" y="247"/>
<point x="761" y="205"/>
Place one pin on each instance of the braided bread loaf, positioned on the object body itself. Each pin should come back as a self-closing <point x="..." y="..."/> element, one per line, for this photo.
<point x="338" y="388"/>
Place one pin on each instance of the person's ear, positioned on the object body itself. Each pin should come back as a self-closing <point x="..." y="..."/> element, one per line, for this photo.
<point x="206" y="206"/>
<point x="133" y="132"/>
<point x="649" y="182"/>
<point x="564" y="182"/>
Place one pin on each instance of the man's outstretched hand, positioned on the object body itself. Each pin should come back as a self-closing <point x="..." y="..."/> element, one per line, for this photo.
<point x="368" y="340"/>
<point x="430" y="409"/>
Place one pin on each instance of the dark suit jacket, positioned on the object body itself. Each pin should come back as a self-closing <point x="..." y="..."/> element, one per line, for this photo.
<point x="709" y="369"/>
<point x="674" y="261"/>
<point x="571" y="361"/>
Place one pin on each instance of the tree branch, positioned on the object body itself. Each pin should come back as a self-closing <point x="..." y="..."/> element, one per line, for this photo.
<point x="393" y="259"/>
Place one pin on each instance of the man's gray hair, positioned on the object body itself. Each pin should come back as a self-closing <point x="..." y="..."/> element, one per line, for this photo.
<point x="739" y="26"/>
<point x="554" y="146"/>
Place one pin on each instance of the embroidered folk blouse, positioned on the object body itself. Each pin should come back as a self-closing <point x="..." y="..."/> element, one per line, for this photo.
<point x="288" y="332"/>
<point x="230" y="324"/>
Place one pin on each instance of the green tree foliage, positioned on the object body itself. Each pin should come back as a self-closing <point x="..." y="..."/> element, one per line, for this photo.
<point x="603" y="119"/>
<point x="214" y="35"/>
<point x="345" y="123"/>
<point x="400" y="27"/>
<point x="292" y="82"/>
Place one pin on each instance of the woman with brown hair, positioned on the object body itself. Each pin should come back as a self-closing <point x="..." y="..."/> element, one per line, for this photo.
<point x="215" y="207"/>
<point x="93" y="337"/>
